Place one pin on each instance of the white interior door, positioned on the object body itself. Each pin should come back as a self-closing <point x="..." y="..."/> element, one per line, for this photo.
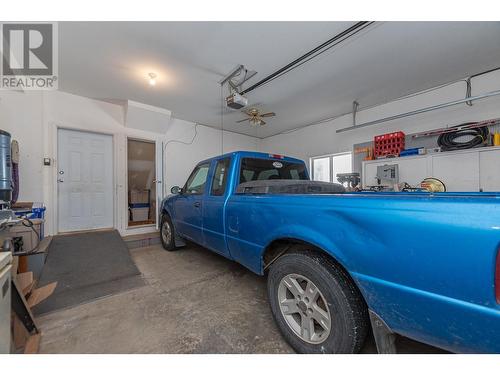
<point x="85" y="180"/>
<point x="160" y="193"/>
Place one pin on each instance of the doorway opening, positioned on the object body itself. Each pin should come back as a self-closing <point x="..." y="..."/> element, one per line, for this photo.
<point x="141" y="171"/>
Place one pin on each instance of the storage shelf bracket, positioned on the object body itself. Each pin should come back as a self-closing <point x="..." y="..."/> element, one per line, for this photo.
<point x="468" y="92"/>
<point x="355" y="106"/>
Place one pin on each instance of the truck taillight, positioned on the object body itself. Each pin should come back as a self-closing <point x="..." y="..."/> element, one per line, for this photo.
<point x="497" y="278"/>
<point x="276" y="156"/>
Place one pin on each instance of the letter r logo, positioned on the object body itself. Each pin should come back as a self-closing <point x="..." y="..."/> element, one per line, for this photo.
<point x="27" y="49"/>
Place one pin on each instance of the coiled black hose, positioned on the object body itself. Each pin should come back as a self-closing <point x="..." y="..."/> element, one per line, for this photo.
<point x="447" y="140"/>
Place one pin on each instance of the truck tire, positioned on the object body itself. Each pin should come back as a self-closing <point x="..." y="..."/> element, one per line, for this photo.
<point x="167" y="233"/>
<point x="315" y="304"/>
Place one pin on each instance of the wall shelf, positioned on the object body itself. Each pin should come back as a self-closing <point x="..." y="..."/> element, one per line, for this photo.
<point x="476" y="169"/>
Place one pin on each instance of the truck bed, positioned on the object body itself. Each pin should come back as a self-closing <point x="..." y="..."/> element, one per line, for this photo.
<point x="424" y="262"/>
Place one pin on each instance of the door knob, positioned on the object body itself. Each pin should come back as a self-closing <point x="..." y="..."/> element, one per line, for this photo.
<point x="60" y="180"/>
<point x="197" y="204"/>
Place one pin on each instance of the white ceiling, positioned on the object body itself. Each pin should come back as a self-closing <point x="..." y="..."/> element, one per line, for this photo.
<point x="109" y="60"/>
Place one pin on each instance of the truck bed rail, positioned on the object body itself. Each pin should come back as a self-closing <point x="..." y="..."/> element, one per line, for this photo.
<point x="289" y="187"/>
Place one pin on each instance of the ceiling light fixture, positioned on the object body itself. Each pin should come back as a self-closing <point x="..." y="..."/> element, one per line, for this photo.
<point x="152" y="79"/>
<point x="255" y="121"/>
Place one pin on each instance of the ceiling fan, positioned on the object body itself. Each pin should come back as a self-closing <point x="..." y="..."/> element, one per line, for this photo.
<point x="255" y="117"/>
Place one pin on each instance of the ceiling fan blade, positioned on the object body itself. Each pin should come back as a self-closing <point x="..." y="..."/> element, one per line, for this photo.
<point x="269" y="114"/>
<point x="246" y="119"/>
<point x="262" y="122"/>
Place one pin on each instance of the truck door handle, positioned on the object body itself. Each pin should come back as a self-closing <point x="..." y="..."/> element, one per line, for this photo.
<point x="197" y="204"/>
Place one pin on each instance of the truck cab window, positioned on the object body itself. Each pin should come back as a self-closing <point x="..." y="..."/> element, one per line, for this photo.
<point x="196" y="182"/>
<point x="246" y="175"/>
<point x="219" y="181"/>
<point x="270" y="174"/>
<point x="253" y="169"/>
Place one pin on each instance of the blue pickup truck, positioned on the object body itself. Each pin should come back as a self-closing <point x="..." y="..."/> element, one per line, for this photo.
<point x="422" y="265"/>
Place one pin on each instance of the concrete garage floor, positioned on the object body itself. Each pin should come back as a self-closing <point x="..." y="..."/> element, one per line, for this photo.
<point x="194" y="302"/>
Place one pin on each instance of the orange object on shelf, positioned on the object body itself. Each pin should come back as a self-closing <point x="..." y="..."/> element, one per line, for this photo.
<point x="367" y="150"/>
<point x="496" y="139"/>
<point x="389" y="144"/>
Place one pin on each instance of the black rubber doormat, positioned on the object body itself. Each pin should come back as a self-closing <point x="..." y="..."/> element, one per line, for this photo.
<point x="87" y="266"/>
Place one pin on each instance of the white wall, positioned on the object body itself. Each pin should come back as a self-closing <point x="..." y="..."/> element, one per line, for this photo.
<point x="322" y="138"/>
<point x="33" y="118"/>
<point x="20" y="115"/>
<point x="180" y="158"/>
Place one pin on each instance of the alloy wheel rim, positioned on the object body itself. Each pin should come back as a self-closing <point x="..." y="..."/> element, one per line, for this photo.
<point x="166" y="232"/>
<point x="304" y="308"/>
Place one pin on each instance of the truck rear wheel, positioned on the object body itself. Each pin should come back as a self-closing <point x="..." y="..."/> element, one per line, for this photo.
<point x="315" y="304"/>
<point x="167" y="233"/>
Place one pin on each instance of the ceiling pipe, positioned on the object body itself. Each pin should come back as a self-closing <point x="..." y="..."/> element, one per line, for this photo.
<point x="344" y="34"/>
<point x="422" y="110"/>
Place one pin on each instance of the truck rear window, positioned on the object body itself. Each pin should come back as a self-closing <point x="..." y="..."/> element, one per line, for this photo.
<point x="268" y="169"/>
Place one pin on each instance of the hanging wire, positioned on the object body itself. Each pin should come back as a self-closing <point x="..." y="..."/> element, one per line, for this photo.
<point x="175" y="141"/>
<point x="182" y="142"/>
<point x="222" y="119"/>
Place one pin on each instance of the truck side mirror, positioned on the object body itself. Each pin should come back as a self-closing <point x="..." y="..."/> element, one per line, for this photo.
<point x="176" y="190"/>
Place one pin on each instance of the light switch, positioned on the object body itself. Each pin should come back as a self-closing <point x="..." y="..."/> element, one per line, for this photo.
<point x="46" y="161"/>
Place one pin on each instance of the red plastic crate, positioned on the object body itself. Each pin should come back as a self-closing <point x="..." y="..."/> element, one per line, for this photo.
<point x="389" y="144"/>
